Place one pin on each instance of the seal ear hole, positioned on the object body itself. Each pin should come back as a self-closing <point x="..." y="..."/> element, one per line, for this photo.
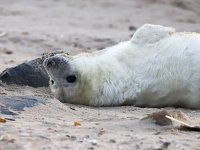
<point x="71" y="78"/>
<point x="52" y="82"/>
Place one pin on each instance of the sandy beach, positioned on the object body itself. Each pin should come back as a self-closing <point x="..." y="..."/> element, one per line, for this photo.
<point x="29" y="28"/>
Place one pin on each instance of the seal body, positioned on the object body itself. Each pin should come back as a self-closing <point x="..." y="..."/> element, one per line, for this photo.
<point x="158" y="67"/>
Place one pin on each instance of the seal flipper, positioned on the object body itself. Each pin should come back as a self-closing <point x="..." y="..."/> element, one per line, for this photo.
<point x="149" y="34"/>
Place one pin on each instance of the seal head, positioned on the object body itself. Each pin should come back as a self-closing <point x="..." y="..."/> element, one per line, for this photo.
<point x="64" y="79"/>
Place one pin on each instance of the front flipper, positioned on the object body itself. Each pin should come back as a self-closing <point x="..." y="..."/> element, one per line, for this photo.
<point x="148" y="34"/>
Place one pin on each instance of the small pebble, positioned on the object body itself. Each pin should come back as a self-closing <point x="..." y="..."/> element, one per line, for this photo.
<point x="137" y="146"/>
<point x="112" y="141"/>
<point x="73" y="138"/>
<point x="7" y="138"/>
<point x="198" y="136"/>
<point x="87" y="136"/>
<point x="131" y="28"/>
<point x="91" y="148"/>
<point x="94" y="142"/>
<point x="72" y="108"/>
<point x="9" y="52"/>
<point x="25" y="33"/>
<point x="165" y="145"/>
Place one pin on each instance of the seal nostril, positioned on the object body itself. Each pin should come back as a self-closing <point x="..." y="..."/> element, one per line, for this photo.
<point x="50" y="62"/>
<point x="54" y="61"/>
<point x="52" y="82"/>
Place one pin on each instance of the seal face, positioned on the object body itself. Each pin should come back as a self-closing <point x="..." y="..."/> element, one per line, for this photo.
<point x="63" y="77"/>
<point x="158" y="67"/>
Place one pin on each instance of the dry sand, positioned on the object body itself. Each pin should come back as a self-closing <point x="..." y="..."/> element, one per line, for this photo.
<point x="29" y="28"/>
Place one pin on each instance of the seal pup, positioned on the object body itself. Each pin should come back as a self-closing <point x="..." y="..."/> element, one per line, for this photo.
<point x="158" y="67"/>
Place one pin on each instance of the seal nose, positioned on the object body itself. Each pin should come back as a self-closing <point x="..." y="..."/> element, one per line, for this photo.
<point x="53" y="61"/>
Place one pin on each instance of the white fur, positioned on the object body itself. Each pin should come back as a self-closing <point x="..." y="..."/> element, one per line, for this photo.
<point x="158" y="67"/>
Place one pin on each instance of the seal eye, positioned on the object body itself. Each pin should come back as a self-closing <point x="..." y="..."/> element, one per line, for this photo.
<point x="71" y="78"/>
<point x="52" y="82"/>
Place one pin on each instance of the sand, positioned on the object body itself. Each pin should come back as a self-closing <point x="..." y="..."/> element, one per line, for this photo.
<point x="30" y="28"/>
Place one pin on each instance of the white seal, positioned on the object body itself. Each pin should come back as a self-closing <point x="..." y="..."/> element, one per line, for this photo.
<point x="158" y="67"/>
